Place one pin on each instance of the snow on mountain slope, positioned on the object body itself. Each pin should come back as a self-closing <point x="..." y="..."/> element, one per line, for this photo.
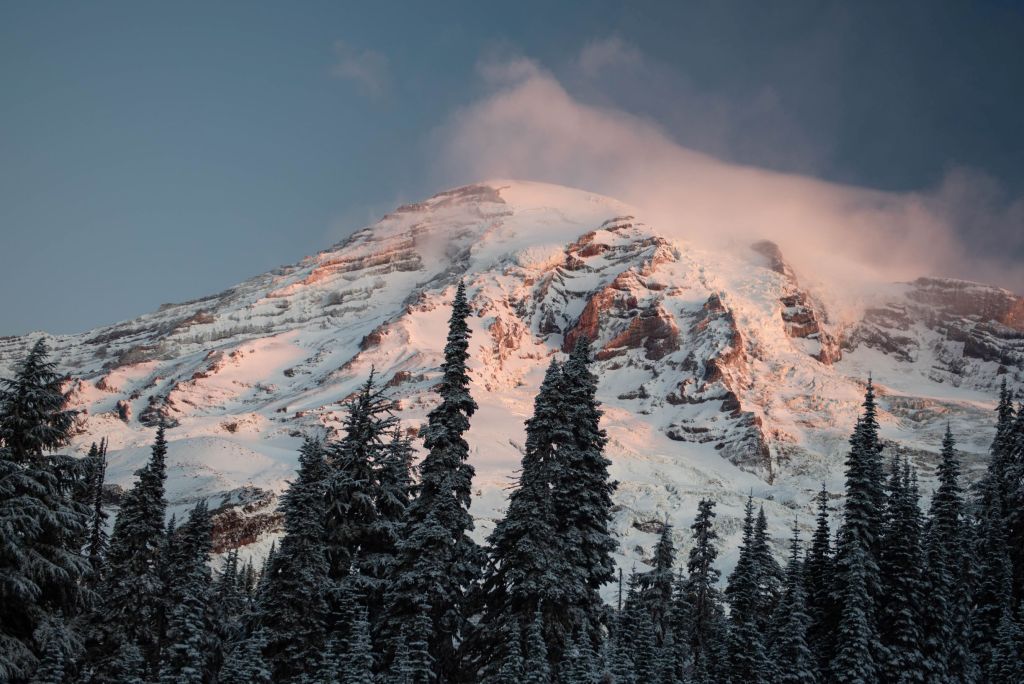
<point x="721" y="373"/>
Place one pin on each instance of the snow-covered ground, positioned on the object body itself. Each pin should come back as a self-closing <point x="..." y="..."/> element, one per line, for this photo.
<point x="718" y="370"/>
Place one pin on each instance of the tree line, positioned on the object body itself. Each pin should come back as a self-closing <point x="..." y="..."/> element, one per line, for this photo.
<point x="377" y="577"/>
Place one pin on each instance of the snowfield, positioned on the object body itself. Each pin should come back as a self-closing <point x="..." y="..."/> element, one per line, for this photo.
<point x="722" y="374"/>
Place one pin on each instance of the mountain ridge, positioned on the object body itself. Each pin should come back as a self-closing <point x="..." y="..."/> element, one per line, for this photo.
<point x="721" y="372"/>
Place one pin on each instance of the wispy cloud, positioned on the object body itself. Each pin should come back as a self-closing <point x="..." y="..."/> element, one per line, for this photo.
<point x="531" y="126"/>
<point x="598" y="55"/>
<point x="367" y="69"/>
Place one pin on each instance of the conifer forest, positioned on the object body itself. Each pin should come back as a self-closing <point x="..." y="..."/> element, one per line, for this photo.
<point x="379" y="577"/>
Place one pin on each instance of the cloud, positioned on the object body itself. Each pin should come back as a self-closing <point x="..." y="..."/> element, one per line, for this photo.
<point x="530" y="126"/>
<point x="598" y="55"/>
<point x="368" y="69"/>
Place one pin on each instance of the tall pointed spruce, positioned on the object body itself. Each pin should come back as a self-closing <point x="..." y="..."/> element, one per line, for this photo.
<point x="526" y="557"/>
<point x="794" y="661"/>
<point x="856" y="564"/>
<point x="128" y="615"/>
<point x="945" y="622"/>
<point x="41" y="525"/>
<point x="293" y="606"/>
<point x="437" y="560"/>
<point x="582" y="491"/>
<point x="190" y="638"/>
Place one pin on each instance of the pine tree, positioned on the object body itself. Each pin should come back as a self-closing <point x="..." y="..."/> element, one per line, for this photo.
<point x="748" y="657"/>
<point x="437" y="560"/>
<point x="620" y="662"/>
<point x="352" y="487"/>
<point x="858" y="587"/>
<point x="537" y="669"/>
<point x="34" y="418"/>
<point x="708" y="632"/>
<point x="41" y="525"/>
<point x="244" y="662"/>
<point x="186" y="660"/>
<point x="992" y="579"/>
<point x="657" y="584"/>
<point x="355" y="662"/>
<point x="818" y="576"/>
<point x="945" y="622"/>
<point x="527" y="561"/>
<point x="128" y="615"/>
<point x="1007" y="664"/>
<point x="293" y="606"/>
<point x="900" y="567"/>
<point x="582" y="490"/>
<point x="794" y="661"/>
<point x="511" y="670"/>
<point x="98" y="539"/>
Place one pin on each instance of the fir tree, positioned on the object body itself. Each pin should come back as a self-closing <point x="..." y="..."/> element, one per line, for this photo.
<point x="352" y="488"/>
<point x="354" y="663"/>
<point x="748" y="657"/>
<point x="858" y="587"/>
<point x="34" y="418"/>
<point x="128" y="615"/>
<point x="437" y="561"/>
<point x="537" y="669"/>
<point x="900" y="566"/>
<point x="41" y="525"/>
<point x="98" y="539"/>
<point x="945" y="622"/>
<point x="1007" y="663"/>
<point x="293" y="606"/>
<point x="186" y="659"/>
<point x="992" y="580"/>
<point x="582" y="490"/>
<point x="656" y="586"/>
<point x="818" y="577"/>
<point x="527" y="555"/>
<point x="244" y="662"/>
<point x="511" y="670"/>
<point x="707" y="636"/>
<point x="794" y="661"/>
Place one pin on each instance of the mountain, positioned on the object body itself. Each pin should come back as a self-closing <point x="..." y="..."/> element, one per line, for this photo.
<point x="722" y="372"/>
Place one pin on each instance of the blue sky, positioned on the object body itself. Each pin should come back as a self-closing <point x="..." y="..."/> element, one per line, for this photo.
<point x="154" y="152"/>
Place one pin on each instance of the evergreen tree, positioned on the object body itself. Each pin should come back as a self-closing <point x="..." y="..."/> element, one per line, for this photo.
<point x="818" y="577"/>
<point x="352" y="488"/>
<point x="128" y="614"/>
<point x="98" y="539"/>
<point x="293" y="606"/>
<point x="41" y="525"/>
<point x="527" y="561"/>
<point x="900" y="566"/>
<point x="186" y="659"/>
<point x="537" y="669"/>
<point x="1007" y="664"/>
<point x="708" y="632"/>
<point x="354" y="658"/>
<point x="620" y="661"/>
<point x="437" y="560"/>
<point x="656" y="586"/>
<point x="511" y="671"/>
<point x="748" y="657"/>
<point x="582" y="490"/>
<point x="794" y="661"/>
<point x="34" y="418"/>
<point x="858" y="588"/>
<point x="992" y="580"/>
<point x="945" y="620"/>
<point x="244" y="662"/>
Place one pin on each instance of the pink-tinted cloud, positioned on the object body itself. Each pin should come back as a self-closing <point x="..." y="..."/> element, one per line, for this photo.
<point x="529" y="126"/>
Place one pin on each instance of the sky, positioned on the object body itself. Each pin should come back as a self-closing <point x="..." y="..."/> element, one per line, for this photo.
<point x="155" y="152"/>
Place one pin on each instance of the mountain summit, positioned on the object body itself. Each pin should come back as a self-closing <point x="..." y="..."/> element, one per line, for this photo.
<point x="721" y="372"/>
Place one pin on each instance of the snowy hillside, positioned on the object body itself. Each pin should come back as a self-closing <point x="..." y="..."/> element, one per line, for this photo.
<point x="721" y="373"/>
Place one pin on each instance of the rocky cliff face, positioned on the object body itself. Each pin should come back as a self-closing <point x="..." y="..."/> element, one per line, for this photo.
<point x="721" y="373"/>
